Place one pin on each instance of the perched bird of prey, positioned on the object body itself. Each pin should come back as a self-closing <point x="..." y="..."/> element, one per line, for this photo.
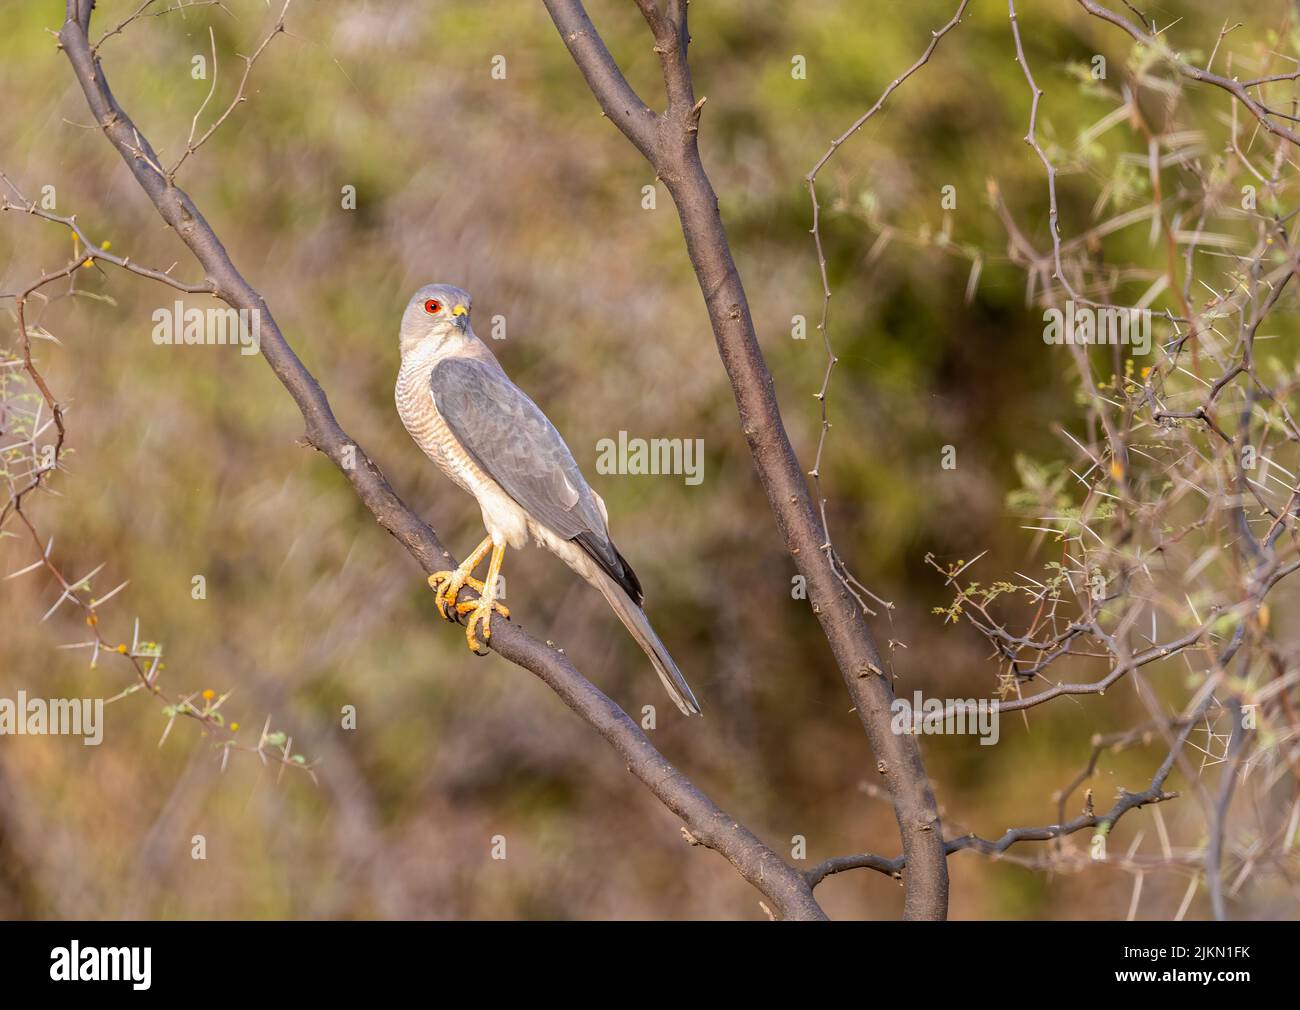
<point x="487" y="435"/>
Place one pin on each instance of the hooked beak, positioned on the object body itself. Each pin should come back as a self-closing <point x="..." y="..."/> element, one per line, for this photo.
<point x="460" y="316"/>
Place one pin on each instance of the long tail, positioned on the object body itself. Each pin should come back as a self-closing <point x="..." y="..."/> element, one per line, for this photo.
<point x="635" y="620"/>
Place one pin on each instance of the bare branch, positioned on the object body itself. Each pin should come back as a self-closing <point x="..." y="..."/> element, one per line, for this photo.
<point x="620" y="103"/>
<point x="192" y="145"/>
<point x="93" y="251"/>
<point x="823" y="326"/>
<point x="143" y="12"/>
<point x="1154" y="793"/>
<point x="669" y="143"/>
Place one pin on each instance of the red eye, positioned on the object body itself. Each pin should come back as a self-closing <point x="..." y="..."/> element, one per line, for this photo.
<point x="433" y="306"/>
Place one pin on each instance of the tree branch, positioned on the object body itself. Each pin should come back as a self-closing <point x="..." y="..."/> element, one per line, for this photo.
<point x="668" y="142"/>
<point x="1154" y="793"/>
<point x="93" y="251"/>
<point x="632" y="116"/>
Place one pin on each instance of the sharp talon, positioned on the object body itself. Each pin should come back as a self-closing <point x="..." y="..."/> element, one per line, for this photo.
<point x="436" y="583"/>
<point x="474" y="646"/>
<point x="480" y="619"/>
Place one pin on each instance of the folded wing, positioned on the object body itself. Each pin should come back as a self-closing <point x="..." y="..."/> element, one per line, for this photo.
<point x="515" y="444"/>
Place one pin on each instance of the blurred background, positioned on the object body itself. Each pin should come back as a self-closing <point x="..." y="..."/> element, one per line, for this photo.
<point x="185" y="461"/>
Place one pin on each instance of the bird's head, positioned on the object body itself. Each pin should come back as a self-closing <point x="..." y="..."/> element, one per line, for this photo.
<point x="435" y="314"/>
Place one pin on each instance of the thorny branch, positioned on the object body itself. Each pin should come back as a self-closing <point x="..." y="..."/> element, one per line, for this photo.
<point x="1167" y="467"/>
<point x="1102" y="823"/>
<point x="1238" y="89"/>
<point x="144" y="657"/>
<point x="845" y="576"/>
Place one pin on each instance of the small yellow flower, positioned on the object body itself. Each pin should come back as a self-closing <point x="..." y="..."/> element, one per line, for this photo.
<point x="234" y="727"/>
<point x="92" y="620"/>
<point x="122" y="648"/>
<point x="107" y="245"/>
<point x="209" y="694"/>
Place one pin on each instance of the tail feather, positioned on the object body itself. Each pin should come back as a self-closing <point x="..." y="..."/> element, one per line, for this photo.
<point x="635" y="620"/>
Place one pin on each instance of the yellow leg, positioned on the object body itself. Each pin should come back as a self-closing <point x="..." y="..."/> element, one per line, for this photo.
<point x="447" y="585"/>
<point x="480" y="613"/>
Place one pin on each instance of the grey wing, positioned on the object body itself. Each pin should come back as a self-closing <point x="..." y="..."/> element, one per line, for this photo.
<point x="515" y="444"/>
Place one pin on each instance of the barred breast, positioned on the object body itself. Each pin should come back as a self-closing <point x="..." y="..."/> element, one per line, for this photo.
<point x="426" y="426"/>
<point x="506" y="522"/>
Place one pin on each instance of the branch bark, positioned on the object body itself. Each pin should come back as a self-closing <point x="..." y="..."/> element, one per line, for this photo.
<point x="668" y="142"/>
<point x="788" y="893"/>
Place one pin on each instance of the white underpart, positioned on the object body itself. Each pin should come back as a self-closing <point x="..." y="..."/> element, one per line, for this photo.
<point x="506" y="522"/>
